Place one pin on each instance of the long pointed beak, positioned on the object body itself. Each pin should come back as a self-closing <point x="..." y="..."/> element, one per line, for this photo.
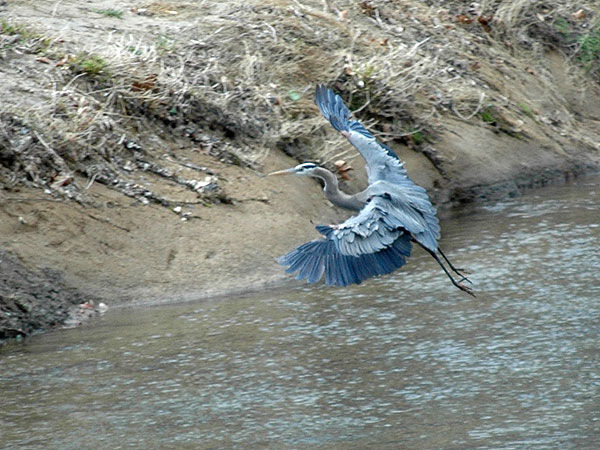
<point x="282" y="172"/>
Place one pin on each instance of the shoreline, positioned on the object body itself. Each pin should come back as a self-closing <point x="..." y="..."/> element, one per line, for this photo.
<point x="69" y="304"/>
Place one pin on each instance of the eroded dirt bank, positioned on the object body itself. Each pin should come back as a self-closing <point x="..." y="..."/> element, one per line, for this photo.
<point x="134" y="136"/>
<point x="32" y="300"/>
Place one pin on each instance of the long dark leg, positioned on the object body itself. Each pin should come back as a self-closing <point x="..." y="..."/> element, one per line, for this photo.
<point x="459" y="272"/>
<point x="458" y="284"/>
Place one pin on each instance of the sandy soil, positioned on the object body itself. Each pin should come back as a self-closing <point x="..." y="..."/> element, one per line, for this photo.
<point x="126" y="250"/>
<point x="117" y="249"/>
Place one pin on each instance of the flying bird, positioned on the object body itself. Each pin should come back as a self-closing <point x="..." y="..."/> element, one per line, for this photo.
<point x="392" y="214"/>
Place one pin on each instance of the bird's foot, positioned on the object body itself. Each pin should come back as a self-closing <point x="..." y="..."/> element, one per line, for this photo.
<point x="461" y="273"/>
<point x="464" y="288"/>
<point x="464" y="279"/>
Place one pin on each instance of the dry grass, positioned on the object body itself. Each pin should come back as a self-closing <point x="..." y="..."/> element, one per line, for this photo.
<point x="237" y="79"/>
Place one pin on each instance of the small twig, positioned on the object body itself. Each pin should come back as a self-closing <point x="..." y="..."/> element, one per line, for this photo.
<point x="364" y="105"/>
<point x="273" y="32"/>
<point x="46" y="146"/>
<point x="252" y="199"/>
<point x="191" y="166"/>
<point x="415" y="47"/>
<point x="36" y="199"/>
<point x="92" y="179"/>
<point x="64" y="89"/>
<point x="481" y="97"/>
<point x="15" y="331"/>
<point x="55" y="7"/>
<point x="389" y="136"/>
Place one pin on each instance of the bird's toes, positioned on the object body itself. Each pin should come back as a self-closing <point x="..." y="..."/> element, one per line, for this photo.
<point x="466" y="289"/>
<point x="465" y="279"/>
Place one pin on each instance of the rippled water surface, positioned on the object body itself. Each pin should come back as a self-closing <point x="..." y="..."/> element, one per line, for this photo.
<point x="404" y="361"/>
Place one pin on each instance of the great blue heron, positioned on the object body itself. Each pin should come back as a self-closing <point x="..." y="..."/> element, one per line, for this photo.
<point x="393" y="213"/>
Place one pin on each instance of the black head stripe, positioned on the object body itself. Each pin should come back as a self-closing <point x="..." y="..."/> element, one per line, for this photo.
<point x="307" y="166"/>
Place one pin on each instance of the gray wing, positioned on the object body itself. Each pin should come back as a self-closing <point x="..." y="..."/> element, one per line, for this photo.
<point x="384" y="166"/>
<point x="366" y="245"/>
<point x="382" y="162"/>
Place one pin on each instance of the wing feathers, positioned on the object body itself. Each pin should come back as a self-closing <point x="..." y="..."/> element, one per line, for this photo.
<point x="321" y="257"/>
<point x="378" y="239"/>
<point x="332" y="107"/>
<point x="368" y="231"/>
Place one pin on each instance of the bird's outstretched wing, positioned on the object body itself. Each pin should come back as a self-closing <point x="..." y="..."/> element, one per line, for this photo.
<point x="366" y="245"/>
<point x="383" y="165"/>
<point x="382" y="162"/>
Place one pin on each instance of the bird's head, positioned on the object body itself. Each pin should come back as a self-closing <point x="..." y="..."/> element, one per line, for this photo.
<point x="307" y="169"/>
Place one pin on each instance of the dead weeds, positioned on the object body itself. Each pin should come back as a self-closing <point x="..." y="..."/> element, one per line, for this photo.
<point x="236" y="79"/>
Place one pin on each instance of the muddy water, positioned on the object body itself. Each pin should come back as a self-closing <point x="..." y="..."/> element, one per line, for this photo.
<point x="405" y="361"/>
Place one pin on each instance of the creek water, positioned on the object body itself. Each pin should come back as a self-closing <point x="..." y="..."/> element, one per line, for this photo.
<point x="403" y="361"/>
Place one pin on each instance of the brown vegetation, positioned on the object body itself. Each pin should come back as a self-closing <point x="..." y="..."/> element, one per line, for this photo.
<point x="235" y="80"/>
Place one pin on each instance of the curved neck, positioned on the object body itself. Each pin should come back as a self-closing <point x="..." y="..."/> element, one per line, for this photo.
<point x="333" y="192"/>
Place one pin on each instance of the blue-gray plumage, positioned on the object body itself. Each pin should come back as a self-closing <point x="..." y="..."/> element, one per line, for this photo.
<point x="393" y="212"/>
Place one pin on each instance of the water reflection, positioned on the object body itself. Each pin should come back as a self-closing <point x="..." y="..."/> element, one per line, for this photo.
<point x="405" y="361"/>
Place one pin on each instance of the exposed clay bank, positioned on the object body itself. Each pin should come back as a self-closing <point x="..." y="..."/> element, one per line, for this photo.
<point x="162" y="135"/>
